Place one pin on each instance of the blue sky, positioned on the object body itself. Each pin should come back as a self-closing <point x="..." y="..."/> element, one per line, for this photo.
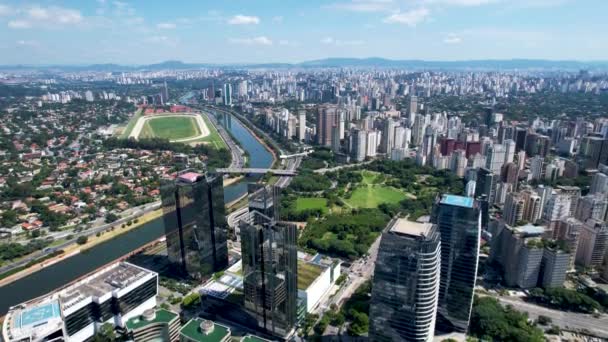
<point x="257" y="31"/>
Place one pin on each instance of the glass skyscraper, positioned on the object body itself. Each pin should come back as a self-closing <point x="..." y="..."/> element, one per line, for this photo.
<point x="270" y="273"/>
<point x="195" y="223"/>
<point x="406" y="283"/>
<point x="459" y="221"/>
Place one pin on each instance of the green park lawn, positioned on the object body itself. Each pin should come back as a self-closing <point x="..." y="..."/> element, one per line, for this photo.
<point x="307" y="203"/>
<point x="172" y="128"/>
<point x="372" y="192"/>
<point x="371" y="196"/>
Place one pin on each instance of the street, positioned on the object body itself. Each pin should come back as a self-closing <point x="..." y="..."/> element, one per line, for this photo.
<point x="563" y="319"/>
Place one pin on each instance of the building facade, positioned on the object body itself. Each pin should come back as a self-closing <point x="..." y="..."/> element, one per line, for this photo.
<point x="195" y="223"/>
<point x="459" y="221"/>
<point x="270" y="273"/>
<point x="406" y="283"/>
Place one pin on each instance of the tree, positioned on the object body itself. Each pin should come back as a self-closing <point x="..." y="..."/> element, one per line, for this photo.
<point x="493" y="322"/>
<point x="544" y="320"/>
<point x="360" y="324"/>
<point x="105" y="333"/>
<point x="111" y="217"/>
<point x="81" y="240"/>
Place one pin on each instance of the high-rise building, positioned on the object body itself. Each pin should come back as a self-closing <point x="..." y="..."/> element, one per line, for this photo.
<point x="372" y="143"/>
<point x="510" y="147"/>
<point x="388" y="136"/>
<point x="406" y="283"/>
<point x="514" y="208"/>
<point x="301" y="125"/>
<point x="593" y="151"/>
<point x="358" y="147"/>
<point x="195" y="223"/>
<point x="227" y="94"/>
<point x="459" y="221"/>
<point x="113" y="294"/>
<point x="495" y="158"/>
<point x="574" y="192"/>
<point x="88" y="95"/>
<point x="327" y="118"/>
<point x="264" y="199"/>
<point x="270" y="273"/>
<point x="165" y="93"/>
<point x="533" y="206"/>
<point x="591" y="206"/>
<point x="599" y="183"/>
<point x="413" y="110"/>
<point x="593" y="243"/>
<point x="486" y="184"/>
<point x="557" y="207"/>
<point x="527" y="260"/>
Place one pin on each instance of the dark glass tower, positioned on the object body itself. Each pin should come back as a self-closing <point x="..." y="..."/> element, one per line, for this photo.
<point x="195" y="223"/>
<point x="459" y="221"/>
<point x="406" y="283"/>
<point x="270" y="273"/>
<point x="264" y="199"/>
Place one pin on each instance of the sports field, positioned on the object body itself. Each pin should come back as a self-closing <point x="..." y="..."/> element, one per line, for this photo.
<point x="372" y="192"/>
<point x="187" y="128"/>
<point x="172" y="128"/>
<point x="307" y="203"/>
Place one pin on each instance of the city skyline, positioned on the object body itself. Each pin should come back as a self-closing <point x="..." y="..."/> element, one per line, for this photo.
<point x="70" y="32"/>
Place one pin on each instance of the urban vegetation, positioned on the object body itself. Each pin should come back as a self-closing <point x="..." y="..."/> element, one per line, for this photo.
<point x="490" y="321"/>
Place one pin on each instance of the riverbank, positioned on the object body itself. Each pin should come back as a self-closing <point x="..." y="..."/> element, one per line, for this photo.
<point x="74" y="248"/>
<point x="232" y="180"/>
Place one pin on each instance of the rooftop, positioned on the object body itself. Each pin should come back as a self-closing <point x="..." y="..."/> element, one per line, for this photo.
<point x="114" y="277"/>
<point x="405" y="227"/>
<point x="530" y="230"/>
<point x="35" y="319"/>
<point x="251" y="338"/>
<point x="190" y="177"/>
<point x="307" y="273"/>
<point x="160" y="316"/>
<point x="459" y="201"/>
<point x="194" y="331"/>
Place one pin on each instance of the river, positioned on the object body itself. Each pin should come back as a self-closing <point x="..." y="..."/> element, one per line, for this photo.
<point x="61" y="273"/>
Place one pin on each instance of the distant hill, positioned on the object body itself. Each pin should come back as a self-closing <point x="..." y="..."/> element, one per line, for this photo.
<point x="372" y="62"/>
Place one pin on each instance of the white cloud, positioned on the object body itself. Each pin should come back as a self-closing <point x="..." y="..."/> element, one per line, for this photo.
<point x="45" y="17"/>
<point x="261" y="40"/>
<point x="338" y="42"/>
<point x="27" y="43"/>
<point x="466" y="3"/>
<point x="5" y="10"/>
<point x="166" y="26"/>
<point x="19" y="24"/>
<point x="54" y="15"/>
<point x="409" y="18"/>
<point x="240" y="19"/>
<point x="327" y="40"/>
<point x="162" y="40"/>
<point x="363" y="5"/>
<point x="452" y="39"/>
<point x="277" y="19"/>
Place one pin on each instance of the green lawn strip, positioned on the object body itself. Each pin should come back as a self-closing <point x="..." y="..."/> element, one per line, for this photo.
<point x="306" y="203"/>
<point x="125" y="133"/>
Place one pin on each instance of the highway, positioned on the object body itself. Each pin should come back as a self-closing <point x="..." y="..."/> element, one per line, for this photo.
<point x="277" y="172"/>
<point x="359" y="272"/>
<point x="136" y="212"/>
<point x="563" y="319"/>
<point x="237" y="160"/>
